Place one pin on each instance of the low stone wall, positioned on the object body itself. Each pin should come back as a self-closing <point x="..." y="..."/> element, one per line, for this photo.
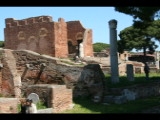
<point x="9" y="105"/>
<point x="57" y="97"/>
<point x="101" y="54"/>
<point x="140" y="91"/>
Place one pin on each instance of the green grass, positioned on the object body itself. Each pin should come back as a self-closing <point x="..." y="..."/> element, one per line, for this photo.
<point x="1" y="95"/>
<point x="41" y="105"/>
<point x="138" y="79"/>
<point x="136" y="106"/>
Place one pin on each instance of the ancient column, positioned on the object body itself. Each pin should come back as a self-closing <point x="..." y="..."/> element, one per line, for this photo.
<point x="113" y="51"/>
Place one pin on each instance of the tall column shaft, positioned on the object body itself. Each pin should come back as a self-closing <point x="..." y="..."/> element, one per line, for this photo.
<point x="113" y="51"/>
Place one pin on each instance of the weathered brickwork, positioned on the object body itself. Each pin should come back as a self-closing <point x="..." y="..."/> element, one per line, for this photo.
<point x="42" y="35"/>
<point x="23" y="68"/>
<point x="11" y="80"/>
<point x="57" y="97"/>
<point x="9" y="105"/>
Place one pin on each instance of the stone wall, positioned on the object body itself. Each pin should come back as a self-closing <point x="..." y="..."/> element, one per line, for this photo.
<point x="60" y="40"/>
<point x="10" y="80"/>
<point x="23" y="68"/>
<point x="55" y="71"/>
<point x="101" y="54"/>
<point x="9" y="105"/>
<point x="42" y="35"/>
<point x="57" y="97"/>
<point x="30" y="34"/>
<point x="75" y="31"/>
<point x="87" y="41"/>
<point x="141" y="90"/>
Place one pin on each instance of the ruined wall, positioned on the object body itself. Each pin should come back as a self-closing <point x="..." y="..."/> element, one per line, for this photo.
<point x="10" y="81"/>
<point x="57" y="97"/>
<point x="87" y="41"/>
<point x="34" y="34"/>
<point x="77" y="32"/>
<point x="60" y="42"/>
<point x="61" y="98"/>
<point x="42" y="35"/>
<point x="140" y="90"/>
<point x="124" y="56"/>
<point x="22" y="68"/>
<point x="54" y="72"/>
<point x="9" y="105"/>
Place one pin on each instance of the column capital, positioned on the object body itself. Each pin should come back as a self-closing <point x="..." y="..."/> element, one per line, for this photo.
<point x="113" y="23"/>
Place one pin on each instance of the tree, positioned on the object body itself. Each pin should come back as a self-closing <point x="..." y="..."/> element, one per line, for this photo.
<point x="154" y="30"/>
<point x="143" y="18"/>
<point x="98" y="47"/>
<point x="1" y="44"/>
<point x="136" y="38"/>
<point x="148" y="14"/>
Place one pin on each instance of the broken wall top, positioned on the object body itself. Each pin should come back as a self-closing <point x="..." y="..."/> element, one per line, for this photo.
<point x="11" y="22"/>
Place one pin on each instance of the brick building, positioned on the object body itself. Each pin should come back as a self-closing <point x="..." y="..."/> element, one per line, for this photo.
<point x="43" y="35"/>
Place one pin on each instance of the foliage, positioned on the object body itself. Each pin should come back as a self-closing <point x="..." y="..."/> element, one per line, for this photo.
<point x="140" y="13"/>
<point x="1" y="44"/>
<point x="41" y="105"/>
<point x="98" y="47"/>
<point x="143" y="17"/>
<point x="139" y="39"/>
<point x="139" y="79"/>
<point x="1" y="95"/>
<point x="154" y="29"/>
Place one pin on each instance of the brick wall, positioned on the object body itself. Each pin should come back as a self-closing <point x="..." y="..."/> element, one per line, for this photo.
<point x="34" y="34"/>
<point x="9" y="105"/>
<point x="16" y="76"/>
<point x="57" y="97"/>
<point x="88" y="48"/>
<point x="60" y="42"/>
<point x="44" y="36"/>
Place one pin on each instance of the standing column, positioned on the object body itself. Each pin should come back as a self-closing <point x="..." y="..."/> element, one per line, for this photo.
<point x="113" y="51"/>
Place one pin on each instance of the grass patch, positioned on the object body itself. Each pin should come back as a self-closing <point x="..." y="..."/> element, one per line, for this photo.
<point x="136" y="106"/>
<point x="1" y="95"/>
<point x="139" y="79"/>
<point x="41" y="105"/>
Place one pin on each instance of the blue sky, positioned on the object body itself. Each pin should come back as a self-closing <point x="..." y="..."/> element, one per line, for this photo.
<point x="95" y="18"/>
